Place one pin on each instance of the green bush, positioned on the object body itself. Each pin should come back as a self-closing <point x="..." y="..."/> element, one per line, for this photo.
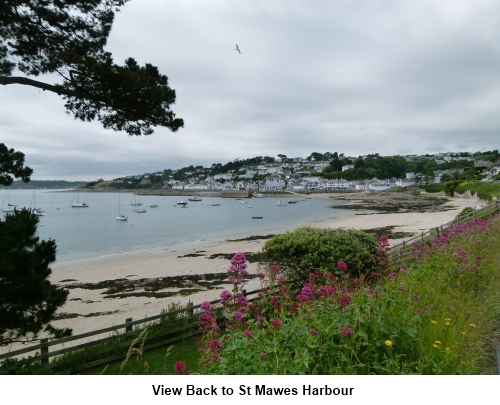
<point x="307" y="249"/>
<point x="465" y="213"/>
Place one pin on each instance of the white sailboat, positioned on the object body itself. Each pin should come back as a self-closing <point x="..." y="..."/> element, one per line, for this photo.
<point x="135" y="203"/>
<point x="10" y="207"/>
<point x="37" y="211"/>
<point x="120" y="217"/>
<point x="78" y="204"/>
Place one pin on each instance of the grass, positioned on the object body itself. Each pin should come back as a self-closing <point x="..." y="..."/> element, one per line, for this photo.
<point x="157" y="332"/>
<point x="484" y="190"/>
<point x="159" y="361"/>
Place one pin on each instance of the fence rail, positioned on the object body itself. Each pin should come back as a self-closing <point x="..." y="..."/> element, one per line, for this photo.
<point x="163" y="329"/>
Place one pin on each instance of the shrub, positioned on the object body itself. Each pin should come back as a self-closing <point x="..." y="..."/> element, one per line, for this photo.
<point x="465" y="213"/>
<point x="307" y="249"/>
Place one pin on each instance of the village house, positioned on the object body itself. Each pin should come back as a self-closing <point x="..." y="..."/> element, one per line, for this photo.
<point x="338" y="184"/>
<point x="274" y="185"/>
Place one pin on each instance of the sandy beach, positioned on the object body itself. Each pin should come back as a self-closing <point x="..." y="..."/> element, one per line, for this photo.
<point x="105" y="291"/>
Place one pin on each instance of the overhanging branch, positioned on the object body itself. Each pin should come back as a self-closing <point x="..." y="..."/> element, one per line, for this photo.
<point x="5" y="80"/>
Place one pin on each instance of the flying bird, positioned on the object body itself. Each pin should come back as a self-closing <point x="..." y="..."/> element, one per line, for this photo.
<point x="237" y="49"/>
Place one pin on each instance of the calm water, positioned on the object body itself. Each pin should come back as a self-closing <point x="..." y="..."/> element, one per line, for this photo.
<point x="92" y="232"/>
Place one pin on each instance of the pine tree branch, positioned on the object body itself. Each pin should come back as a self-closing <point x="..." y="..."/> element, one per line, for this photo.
<point x="5" y="80"/>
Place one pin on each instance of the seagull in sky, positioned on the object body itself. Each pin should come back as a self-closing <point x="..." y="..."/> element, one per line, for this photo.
<point x="237" y="49"/>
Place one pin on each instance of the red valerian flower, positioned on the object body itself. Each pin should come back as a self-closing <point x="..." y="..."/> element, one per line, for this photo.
<point x="341" y="266"/>
<point x="181" y="369"/>
<point x="347" y="331"/>
<point x="344" y="301"/>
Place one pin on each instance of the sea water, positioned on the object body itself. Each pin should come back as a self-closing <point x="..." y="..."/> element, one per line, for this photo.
<point x="94" y="231"/>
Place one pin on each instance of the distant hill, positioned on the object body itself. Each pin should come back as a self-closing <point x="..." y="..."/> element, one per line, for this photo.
<point x="53" y="184"/>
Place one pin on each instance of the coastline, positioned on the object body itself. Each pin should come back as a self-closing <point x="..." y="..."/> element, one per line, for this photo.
<point x="106" y="290"/>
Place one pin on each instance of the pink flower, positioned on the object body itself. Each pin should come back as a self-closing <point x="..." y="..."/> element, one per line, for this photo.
<point x="416" y="298"/>
<point x="314" y="332"/>
<point x="261" y="275"/>
<point x="225" y="295"/>
<point x="341" y="266"/>
<point x="427" y="308"/>
<point x="302" y="297"/>
<point x="273" y="269"/>
<point x="180" y="368"/>
<point x="419" y="310"/>
<point x="344" y="301"/>
<point x="262" y="357"/>
<point x="276" y="324"/>
<point x="402" y="288"/>
<point x="206" y="306"/>
<point x="248" y="334"/>
<point x="347" y="331"/>
<point x="214" y="345"/>
<point x="237" y="315"/>
<point x="239" y="258"/>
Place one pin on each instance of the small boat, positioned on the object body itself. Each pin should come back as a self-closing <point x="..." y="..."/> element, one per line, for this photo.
<point x="78" y="204"/>
<point x="293" y="201"/>
<point x="257" y="217"/>
<point x="153" y="206"/>
<point x="10" y="207"/>
<point x="258" y="195"/>
<point x="250" y="206"/>
<point x="182" y="203"/>
<point x="280" y="204"/>
<point x="195" y="198"/>
<point x="120" y="216"/>
<point x="37" y="211"/>
<point x="215" y="205"/>
<point x="140" y="210"/>
<point x="135" y="203"/>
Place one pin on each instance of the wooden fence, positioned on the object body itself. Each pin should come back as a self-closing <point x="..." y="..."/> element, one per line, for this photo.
<point x="92" y="349"/>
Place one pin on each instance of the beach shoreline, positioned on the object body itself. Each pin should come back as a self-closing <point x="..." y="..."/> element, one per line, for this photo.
<point x="104" y="291"/>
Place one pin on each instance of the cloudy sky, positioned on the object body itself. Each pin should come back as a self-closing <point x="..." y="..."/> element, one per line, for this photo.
<point x="353" y="76"/>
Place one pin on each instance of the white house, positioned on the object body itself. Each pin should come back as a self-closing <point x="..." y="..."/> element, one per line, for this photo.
<point x="338" y="184"/>
<point x="225" y="176"/>
<point x="347" y="167"/>
<point x="274" y="185"/>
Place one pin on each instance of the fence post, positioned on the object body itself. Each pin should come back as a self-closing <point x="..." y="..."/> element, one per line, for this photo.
<point x="128" y="328"/>
<point x="422" y="236"/>
<point x="44" y="351"/>
<point x="190" y="314"/>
